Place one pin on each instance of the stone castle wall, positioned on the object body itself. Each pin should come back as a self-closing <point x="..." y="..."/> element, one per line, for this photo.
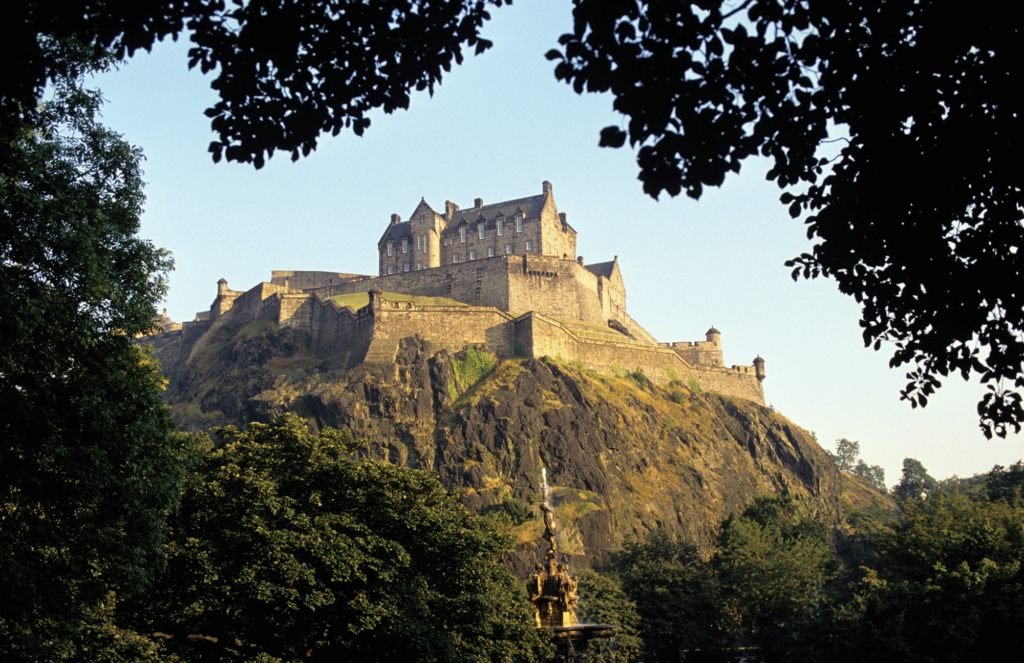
<point x="560" y="288"/>
<point x="307" y="280"/>
<point x="336" y="331"/>
<point x="546" y="336"/>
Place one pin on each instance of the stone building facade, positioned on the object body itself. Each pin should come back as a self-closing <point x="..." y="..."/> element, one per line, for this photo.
<point x="512" y="265"/>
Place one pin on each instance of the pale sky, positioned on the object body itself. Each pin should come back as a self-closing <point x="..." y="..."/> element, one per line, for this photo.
<point x="496" y="128"/>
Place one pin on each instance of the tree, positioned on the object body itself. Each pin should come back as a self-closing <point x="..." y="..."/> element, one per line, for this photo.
<point x="285" y="71"/>
<point x="676" y="595"/>
<point x="88" y="468"/>
<point x="603" y="601"/>
<point x="1005" y="483"/>
<point x="947" y="585"/>
<point x="286" y="548"/>
<point x="775" y="566"/>
<point x="915" y="482"/>
<point x="917" y="216"/>
<point x="873" y="474"/>
<point x="847" y="454"/>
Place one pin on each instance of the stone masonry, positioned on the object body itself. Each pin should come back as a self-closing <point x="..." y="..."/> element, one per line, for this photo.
<point x="514" y="266"/>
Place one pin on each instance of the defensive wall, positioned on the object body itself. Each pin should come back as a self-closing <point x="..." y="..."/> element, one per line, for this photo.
<point x="559" y="287"/>
<point x="372" y="334"/>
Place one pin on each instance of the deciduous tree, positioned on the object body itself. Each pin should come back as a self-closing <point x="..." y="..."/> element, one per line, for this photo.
<point x="88" y="468"/>
<point x="918" y="213"/>
<point x="775" y="565"/>
<point x="677" y="596"/>
<point x="915" y="483"/>
<point x="287" y="548"/>
<point x="285" y="71"/>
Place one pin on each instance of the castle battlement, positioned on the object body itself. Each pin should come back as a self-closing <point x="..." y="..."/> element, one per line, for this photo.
<point x="533" y="298"/>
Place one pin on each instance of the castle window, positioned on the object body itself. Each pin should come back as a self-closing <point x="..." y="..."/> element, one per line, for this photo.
<point x="405" y="245"/>
<point x="508" y="249"/>
<point x="391" y="248"/>
<point x="419" y="243"/>
<point x="462" y="234"/>
<point x="472" y="255"/>
<point x="419" y="266"/>
<point x="480" y="229"/>
<point x="529" y="245"/>
<point x="391" y="269"/>
<point x="519" y="223"/>
<point x="455" y="258"/>
<point x="490" y="252"/>
<point x="501" y="226"/>
<point x="406" y="267"/>
<point x="426" y="243"/>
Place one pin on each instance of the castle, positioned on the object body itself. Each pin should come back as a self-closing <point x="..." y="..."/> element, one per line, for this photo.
<point x="504" y="275"/>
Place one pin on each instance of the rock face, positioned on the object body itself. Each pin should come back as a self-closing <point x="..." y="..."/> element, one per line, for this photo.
<point x="623" y="456"/>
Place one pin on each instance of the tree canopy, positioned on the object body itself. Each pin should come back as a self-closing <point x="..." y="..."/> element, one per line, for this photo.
<point x="88" y="465"/>
<point x="917" y="215"/>
<point x="285" y="71"/>
<point x="287" y="548"/>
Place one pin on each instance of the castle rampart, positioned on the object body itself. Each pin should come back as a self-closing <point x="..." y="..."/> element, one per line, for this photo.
<point x="539" y="301"/>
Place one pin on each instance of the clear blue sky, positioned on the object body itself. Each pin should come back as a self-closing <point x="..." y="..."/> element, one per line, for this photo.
<point x="496" y="128"/>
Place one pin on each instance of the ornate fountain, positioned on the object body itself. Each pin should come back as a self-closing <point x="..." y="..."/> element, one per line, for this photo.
<point x="553" y="593"/>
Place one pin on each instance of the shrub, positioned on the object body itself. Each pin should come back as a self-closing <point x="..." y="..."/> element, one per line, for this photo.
<point x="519" y="348"/>
<point x="474" y="365"/>
<point x="694" y="385"/>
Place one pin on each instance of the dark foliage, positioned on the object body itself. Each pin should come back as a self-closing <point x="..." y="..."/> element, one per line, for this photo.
<point x="88" y="466"/>
<point x="286" y="548"/>
<point x="917" y="216"/>
<point x="286" y="71"/>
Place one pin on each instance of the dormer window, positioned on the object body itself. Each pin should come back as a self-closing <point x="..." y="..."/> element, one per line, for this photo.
<point x="405" y="245"/>
<point x="480" y="229"/>
<point x="519" y="223"/>
<point x="462" y="234"/>
<point x="501" y="226"/>
<point x="391" y="248"/>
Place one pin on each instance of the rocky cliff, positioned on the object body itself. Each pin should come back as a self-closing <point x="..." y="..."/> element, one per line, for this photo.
<point x="623" y="456"/>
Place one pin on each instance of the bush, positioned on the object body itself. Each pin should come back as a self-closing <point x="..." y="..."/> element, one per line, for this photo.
<point x="474" y="365"/>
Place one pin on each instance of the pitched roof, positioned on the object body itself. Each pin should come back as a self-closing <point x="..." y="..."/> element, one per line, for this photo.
<point x="602" y="268"/>
<point x="530" y="207"/>
<point x="397" y="231"/>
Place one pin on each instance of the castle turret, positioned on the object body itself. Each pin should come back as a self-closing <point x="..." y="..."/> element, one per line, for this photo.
<point x="713" y="336"/>
<point x="222" y="286"/>
<point x="759" y="368"/>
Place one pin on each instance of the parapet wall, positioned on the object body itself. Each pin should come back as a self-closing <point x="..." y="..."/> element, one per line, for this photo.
<point x="557" y="287"/>
<point x="545" y="336"/>
<point x="307" y="280"/>
<point x="698" y="352"/>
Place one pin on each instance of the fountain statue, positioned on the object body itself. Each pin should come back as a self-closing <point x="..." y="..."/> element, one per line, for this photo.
<point x="553" y="593"/>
